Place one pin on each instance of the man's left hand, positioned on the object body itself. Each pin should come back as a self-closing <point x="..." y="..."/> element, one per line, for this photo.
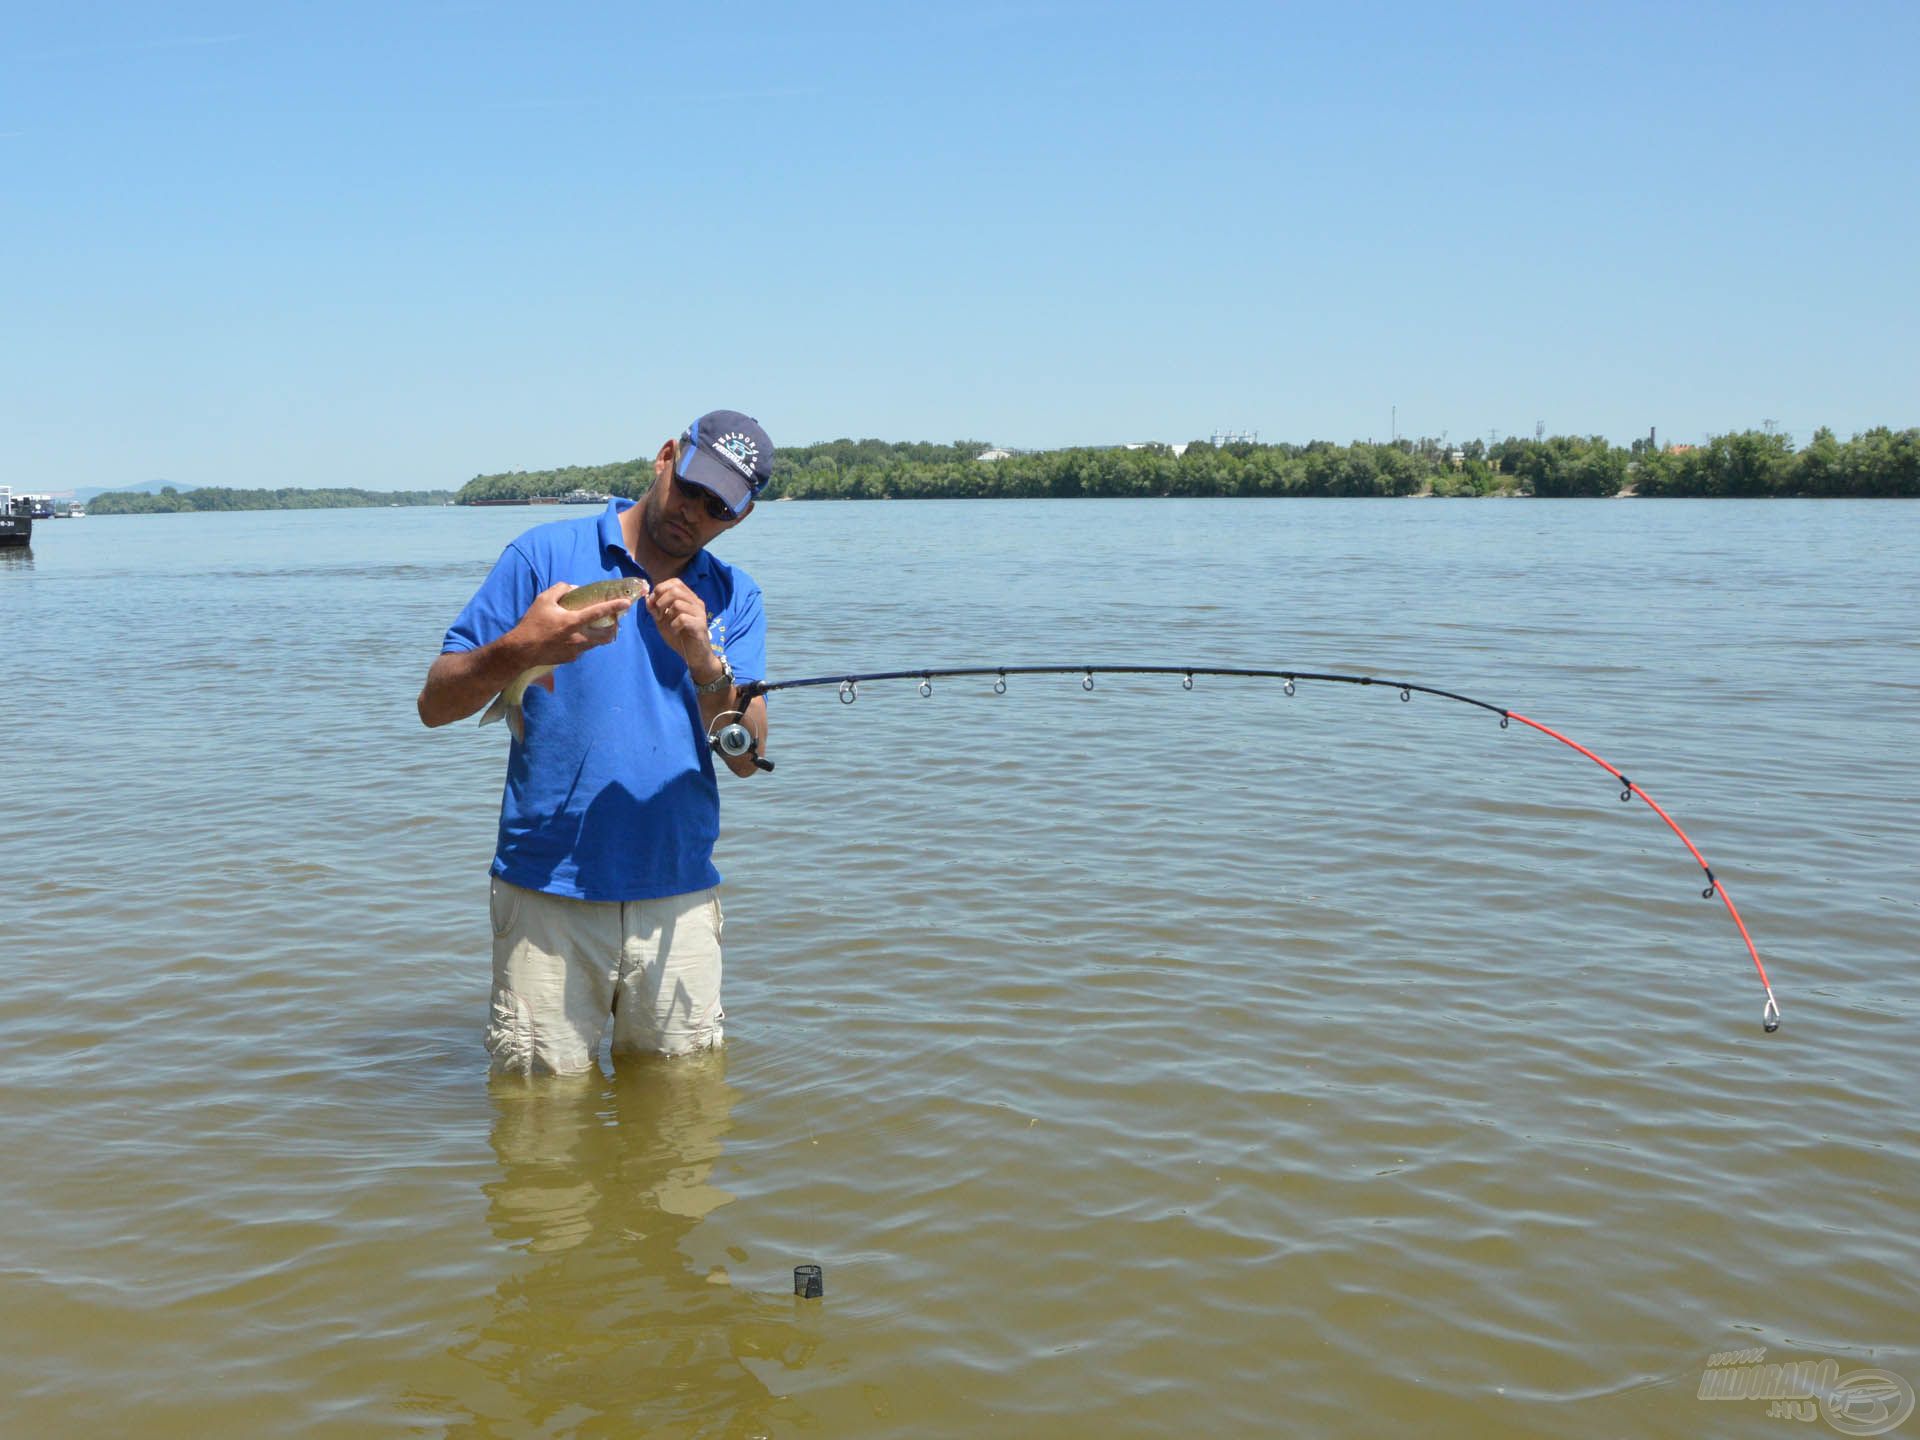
<point x="682" y="618"/>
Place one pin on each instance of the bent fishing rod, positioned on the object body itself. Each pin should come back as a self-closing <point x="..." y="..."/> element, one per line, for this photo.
<point x="729" y="736"/>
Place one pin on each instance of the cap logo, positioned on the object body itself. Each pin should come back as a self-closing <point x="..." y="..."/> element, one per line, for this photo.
<point x="738" y="451"/>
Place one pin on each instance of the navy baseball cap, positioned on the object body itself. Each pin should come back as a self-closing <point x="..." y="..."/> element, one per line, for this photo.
<point x="728" y="454"/>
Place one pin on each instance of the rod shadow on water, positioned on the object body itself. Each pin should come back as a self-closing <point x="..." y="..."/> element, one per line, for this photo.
<point x="605" y="1314"/>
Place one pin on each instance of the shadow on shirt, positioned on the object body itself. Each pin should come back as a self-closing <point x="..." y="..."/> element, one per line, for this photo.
<point x="678" y="819"/>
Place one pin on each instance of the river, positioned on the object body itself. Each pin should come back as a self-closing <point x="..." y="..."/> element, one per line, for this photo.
<point x="1134" y="1061"/>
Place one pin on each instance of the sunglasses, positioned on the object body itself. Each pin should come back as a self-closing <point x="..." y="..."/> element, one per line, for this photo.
<point x="716" y="508"/>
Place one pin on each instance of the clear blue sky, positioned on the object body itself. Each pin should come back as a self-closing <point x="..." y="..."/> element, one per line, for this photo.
<point x="396" y="245"/>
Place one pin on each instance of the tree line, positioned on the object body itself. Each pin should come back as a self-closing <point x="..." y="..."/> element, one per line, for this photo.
<point x="171" y="501"/>
<point x="1878" y="462"/>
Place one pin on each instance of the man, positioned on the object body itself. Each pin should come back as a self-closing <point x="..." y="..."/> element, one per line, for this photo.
<point x="604" y="897"/>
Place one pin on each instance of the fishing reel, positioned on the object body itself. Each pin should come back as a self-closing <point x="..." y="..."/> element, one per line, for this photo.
<point x="733" y="739"/>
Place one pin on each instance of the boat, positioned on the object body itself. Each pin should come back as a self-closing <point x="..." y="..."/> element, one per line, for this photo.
<point x="16" y="518"/>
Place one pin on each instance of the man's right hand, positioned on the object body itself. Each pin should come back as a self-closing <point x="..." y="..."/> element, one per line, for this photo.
<point x="551" y="634"/>
<point x="460" y="683"/>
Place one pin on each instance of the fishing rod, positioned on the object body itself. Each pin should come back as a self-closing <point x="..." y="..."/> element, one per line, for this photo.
<point x="731" y="737"/>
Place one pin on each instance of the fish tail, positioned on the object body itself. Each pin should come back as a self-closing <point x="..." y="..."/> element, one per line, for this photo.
<point x="508" y="704"/>
<point x="510" y="710"/>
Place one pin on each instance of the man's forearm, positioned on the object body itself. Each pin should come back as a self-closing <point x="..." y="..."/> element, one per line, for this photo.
<point x="550" y="633"/>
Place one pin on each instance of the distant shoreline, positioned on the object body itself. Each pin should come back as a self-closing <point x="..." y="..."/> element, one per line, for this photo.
<point x="1880" y="463"/>
<point x="215" y="498"/>
<point x="910" y="499"/>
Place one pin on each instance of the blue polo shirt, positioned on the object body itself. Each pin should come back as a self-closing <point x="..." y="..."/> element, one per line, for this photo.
<point x="613" y="796"/>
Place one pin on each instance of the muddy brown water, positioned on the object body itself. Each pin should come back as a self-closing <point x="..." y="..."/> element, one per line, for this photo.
<point x="1134" y="1062"/>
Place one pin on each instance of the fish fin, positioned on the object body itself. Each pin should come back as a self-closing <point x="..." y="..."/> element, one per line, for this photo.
<point x="497" y="710"/>
<point x="517" y="722"/>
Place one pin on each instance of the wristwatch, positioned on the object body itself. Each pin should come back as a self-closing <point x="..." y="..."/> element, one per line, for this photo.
<point x="720" y="683"/>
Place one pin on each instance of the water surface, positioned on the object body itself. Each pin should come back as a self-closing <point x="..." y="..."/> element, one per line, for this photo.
<point x="1135" y="1062"/>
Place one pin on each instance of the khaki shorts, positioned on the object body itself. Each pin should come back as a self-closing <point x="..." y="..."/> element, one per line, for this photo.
<point x="562" y="968"/>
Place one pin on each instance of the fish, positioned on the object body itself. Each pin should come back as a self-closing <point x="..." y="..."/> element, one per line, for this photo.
<point x="508" y="705"/>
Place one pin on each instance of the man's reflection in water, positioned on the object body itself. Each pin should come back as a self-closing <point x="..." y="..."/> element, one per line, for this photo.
<point x="614" y="1329"/>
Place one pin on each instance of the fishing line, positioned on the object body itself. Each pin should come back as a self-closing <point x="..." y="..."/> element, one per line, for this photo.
<point x="729" y="736"/>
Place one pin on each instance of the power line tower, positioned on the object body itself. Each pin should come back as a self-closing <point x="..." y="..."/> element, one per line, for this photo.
<point x="1539" y="429"/>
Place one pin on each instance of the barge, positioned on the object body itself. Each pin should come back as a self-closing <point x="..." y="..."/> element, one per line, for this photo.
<point x="16" y="518"/>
